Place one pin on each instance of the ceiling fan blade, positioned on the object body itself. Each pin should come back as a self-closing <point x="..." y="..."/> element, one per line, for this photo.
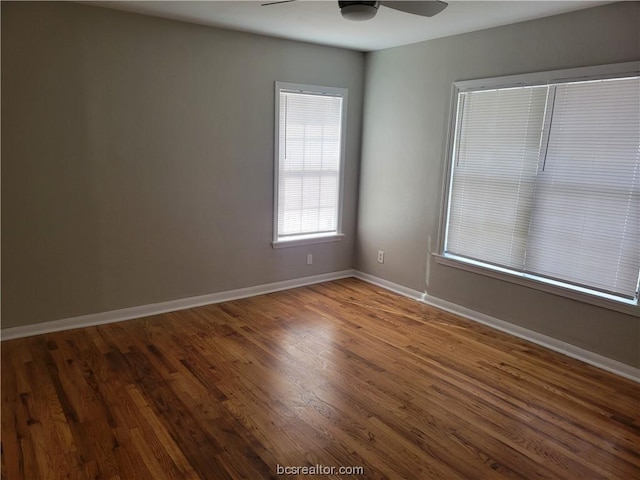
<point x="423" y="8"/>
<point x="276" y="3"/>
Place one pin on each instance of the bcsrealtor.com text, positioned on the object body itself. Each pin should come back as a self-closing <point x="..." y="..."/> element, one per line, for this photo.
<point x="318" y="469"/>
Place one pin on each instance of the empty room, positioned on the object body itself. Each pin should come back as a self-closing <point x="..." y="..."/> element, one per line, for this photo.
<point x="320" y="239"/>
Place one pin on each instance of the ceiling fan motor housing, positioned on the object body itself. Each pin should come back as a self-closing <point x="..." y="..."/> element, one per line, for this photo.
<point x="358" y="11"/>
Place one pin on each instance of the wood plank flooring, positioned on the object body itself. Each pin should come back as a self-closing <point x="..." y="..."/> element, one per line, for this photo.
<point x="340" y="374"/>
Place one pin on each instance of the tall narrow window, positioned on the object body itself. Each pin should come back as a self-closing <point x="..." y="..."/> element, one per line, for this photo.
<point x="545" y="183"/>
<point x="310" y="131"/>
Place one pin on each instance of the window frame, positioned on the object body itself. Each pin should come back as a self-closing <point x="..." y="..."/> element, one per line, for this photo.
<point x="313" y="238"/>
<point x="504" y="274"/>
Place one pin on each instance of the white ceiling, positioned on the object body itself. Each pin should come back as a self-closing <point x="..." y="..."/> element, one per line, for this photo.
<point x="321" y="22"/>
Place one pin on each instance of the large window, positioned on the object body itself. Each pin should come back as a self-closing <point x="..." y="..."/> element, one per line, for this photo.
<point x="310" y="131"/>
<point x="544" y="181"/>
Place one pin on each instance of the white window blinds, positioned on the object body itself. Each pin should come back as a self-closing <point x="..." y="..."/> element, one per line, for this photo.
<point x="309" y="163"/>
<point x="494" y="174"/>
<point x="585" y="227"/>
<point x="546" y="183"/>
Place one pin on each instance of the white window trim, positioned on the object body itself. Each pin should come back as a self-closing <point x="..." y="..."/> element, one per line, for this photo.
<point x="555" y="76"/>
<point x="308" y="239"/>
<point x="531" y="282"/>
<point x="312" y="239"/>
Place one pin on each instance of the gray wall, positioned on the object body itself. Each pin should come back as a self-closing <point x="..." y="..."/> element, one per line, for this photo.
<point x="408" y="90"/>
<point x="137" y="159"/>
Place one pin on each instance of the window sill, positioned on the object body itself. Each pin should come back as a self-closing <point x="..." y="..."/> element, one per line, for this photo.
<point x="307" y="240"/>
<point x="627" y="308"/>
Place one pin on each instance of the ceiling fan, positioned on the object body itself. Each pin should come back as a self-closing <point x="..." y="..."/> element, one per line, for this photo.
<point x="367" y="10"/>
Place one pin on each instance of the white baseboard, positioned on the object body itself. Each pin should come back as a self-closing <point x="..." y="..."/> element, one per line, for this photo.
<point x="551" y="343"/>
<point x="386" y="284"/>
<point x="164" y="307"/>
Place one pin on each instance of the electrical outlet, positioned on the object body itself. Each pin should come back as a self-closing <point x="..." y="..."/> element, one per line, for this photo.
<point x="309" y="258"/>
<point x="380" y="256"/>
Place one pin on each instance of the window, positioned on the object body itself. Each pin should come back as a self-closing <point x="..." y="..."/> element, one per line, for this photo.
<point x="310" y="138"/>
<point x="544" y="181"/>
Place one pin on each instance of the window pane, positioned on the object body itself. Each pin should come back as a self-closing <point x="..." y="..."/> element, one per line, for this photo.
<point x="586" y="222"/>
<point x="498" y="148"/>
<point x="310" y="127"/>
<point x="546" y="181"/>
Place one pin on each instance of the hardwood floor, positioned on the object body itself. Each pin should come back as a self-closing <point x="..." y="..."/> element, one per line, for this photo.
<point x="341" y="374"/>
